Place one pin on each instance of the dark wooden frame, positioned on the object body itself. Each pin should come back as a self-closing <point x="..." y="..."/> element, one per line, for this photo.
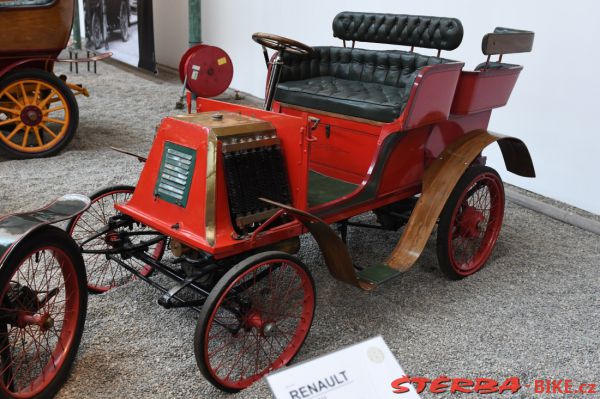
<point x="507" y="41"/>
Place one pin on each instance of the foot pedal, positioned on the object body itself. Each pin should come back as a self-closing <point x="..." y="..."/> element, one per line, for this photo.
<point x="378" y="274"/>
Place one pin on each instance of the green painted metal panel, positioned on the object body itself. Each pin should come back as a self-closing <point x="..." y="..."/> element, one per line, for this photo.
<point x="323" y="189"/>
<point x="175" y="175"/>
<point x="194" y="22"/>
<point x="378" y="274"/>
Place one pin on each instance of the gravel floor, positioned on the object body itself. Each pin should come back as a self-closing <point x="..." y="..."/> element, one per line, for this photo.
<point x="533" y="312"/>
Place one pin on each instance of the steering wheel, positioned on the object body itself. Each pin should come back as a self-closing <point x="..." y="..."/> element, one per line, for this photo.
<point x="282" y="44"/>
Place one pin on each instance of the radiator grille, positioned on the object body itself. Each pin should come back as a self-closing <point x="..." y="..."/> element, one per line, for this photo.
<point x="250" y="175"/>
<point x="175" y="176"/>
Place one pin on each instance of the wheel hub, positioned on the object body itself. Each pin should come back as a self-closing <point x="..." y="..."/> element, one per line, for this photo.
<point x="472" y="222"/>
<point x="44" y="321"/>
<point x="269" y="329"/>
<point x="254" y="320"/>
<point x="31" y="115"/>
<point x="113" y="239"/>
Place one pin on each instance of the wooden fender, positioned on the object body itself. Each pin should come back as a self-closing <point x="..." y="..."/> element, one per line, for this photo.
<point x="439" y="181"/>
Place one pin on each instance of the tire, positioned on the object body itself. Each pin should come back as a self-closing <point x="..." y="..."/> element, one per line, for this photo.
<point x="104" y="274"/>
<point x="470" y="222"/>
<point x="96" y="36"/>
<point x="50" y="343"/>
<point x="254" y="313"/>
<point x="43" y="124"/>
<point x="124" y="20"/>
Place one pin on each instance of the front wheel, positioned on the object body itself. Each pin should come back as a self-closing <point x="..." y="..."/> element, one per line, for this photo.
<point x="103" y="273"/>
<point x="44" y="301"/>
<point x="255" y="320"/>
<point x="470" y="222"/>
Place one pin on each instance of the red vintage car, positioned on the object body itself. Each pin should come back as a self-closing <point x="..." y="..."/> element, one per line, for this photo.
<point x="228" y="190"/>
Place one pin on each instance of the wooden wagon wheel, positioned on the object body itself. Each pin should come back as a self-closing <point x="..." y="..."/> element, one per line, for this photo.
<point x="38" y="114"/>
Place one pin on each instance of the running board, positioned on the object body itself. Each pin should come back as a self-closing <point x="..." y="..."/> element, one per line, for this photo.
<point x="378" y="274"/>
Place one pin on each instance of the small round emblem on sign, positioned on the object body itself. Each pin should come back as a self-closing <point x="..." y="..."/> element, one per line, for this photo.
<point x="375" y="355"/>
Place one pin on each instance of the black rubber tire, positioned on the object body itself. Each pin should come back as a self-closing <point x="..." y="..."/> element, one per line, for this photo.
<point x="96" y="37"/>
<point x="218" y="290"/>
<point x="125" y="33"/>
<point x="56" y="237"/>
<point x="100" y="193"/>
<point x="444" y="227"/>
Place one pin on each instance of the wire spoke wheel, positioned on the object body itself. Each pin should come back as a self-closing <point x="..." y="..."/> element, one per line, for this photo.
<point x="38" y="114"/>
<point x="255" y="320"/>
<point x="470" y="223"/>
<point x="124" y="20"/>
<point x="104" y="274"/>
<point x="96" y="31"/>
<point x="43" y="301"/>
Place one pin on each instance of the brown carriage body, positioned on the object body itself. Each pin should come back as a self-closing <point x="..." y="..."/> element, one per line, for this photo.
<point x="40" y="31"/>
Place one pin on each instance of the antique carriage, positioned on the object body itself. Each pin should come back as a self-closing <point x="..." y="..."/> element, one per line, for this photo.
<point x="38" y="110"/>
<point x="227" y="191"/>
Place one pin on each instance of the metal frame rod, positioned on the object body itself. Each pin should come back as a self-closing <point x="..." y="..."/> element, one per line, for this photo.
<point x="150" y="281"/>
<point x="76" y="28"/>
<point x="167" y="271"/>
<point x="194" y="22"/>
<point x="276" y="69"/>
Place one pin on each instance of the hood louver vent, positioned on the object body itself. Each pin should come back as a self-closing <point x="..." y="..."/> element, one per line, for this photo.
<point x="175" y="175"/>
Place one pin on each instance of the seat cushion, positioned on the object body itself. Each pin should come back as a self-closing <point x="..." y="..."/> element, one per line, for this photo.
<point x="366" y="100"/>
<point x="356" y="82"/>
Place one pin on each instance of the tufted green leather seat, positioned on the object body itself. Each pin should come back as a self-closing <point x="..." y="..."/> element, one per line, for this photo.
<point x="368" y="84"/>
<point x="361" y="83"/>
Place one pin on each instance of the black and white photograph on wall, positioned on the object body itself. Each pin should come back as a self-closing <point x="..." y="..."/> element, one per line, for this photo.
<point x="123" y="27"/>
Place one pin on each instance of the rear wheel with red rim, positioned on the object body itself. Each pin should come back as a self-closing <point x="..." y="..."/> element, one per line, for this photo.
<point x="255" y="320"/>
<point x="104" y="274"/>
<point x="43" y="299"/>
<point x="470" y="222"/>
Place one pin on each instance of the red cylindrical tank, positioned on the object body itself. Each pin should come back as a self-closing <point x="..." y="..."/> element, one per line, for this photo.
<point x="208" y="69"/>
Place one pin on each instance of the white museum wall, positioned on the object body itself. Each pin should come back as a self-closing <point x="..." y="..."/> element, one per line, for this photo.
<point x="170" y="31"/>
<point x="553" y="107"/>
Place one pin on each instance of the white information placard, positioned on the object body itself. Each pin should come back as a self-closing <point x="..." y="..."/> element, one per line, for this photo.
<point x="362" y="371"/>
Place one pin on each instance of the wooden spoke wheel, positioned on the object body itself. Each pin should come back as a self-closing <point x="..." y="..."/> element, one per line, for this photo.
<point x="255" y="320"/>
<point x="38" y="114"/>
<point x="104" y="274"/>
<point x="43" y="301"/>
<point x="470" y="222"/>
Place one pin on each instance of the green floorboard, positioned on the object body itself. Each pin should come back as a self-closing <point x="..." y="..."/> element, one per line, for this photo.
<point x="323" y="189"/>
<point x="378" y="274"/>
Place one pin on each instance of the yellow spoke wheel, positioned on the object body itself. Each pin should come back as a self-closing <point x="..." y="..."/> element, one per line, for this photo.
<point x="38" y="114"/>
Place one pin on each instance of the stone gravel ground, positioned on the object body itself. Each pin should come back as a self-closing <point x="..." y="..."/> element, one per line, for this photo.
<point x="532" y="312"/>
